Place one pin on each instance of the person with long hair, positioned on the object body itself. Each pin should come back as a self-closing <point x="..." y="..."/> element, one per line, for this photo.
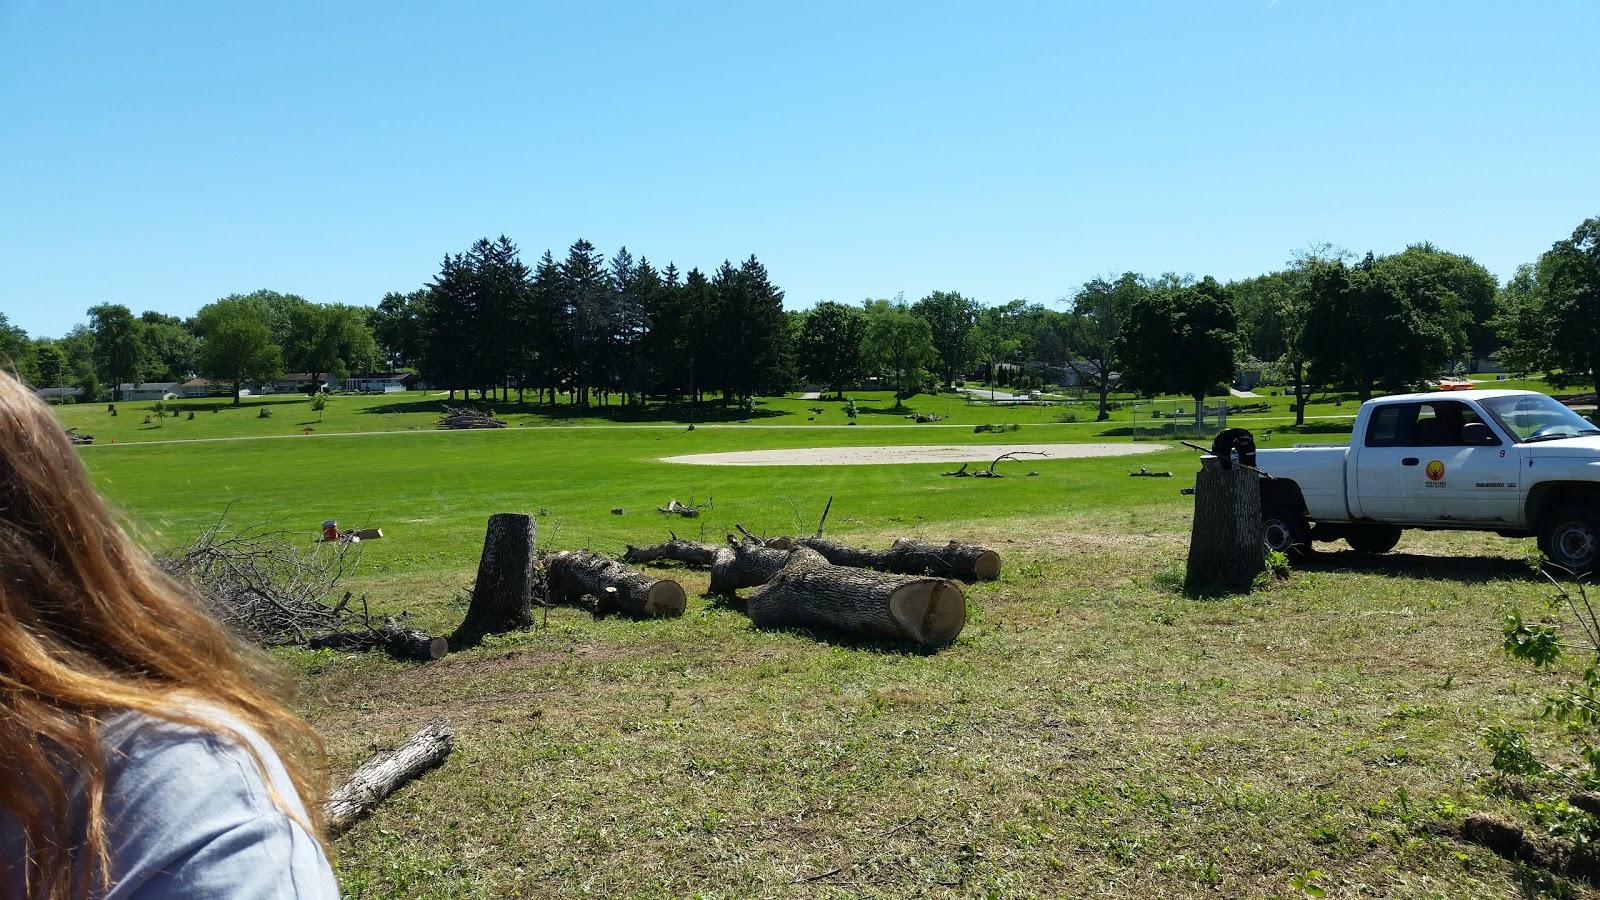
<point x="141" y="755"/>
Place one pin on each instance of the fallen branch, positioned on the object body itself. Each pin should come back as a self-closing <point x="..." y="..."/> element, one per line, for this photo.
<point x="991" y="473"/>
<point x="1146" y="473"/>
<point x="959" y="473"/>
<point x="383" y="774"/>
<point x="954" y="559"/>
<point x="392" y="637"/>
<point x="674" y="508"/>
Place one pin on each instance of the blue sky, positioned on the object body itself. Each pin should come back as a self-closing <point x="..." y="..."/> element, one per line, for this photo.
<point x="162" y="155"/>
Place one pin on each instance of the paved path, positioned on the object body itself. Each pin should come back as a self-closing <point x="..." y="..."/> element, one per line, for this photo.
<point x="1238" y="393"/>
<point x="909" y="453"/>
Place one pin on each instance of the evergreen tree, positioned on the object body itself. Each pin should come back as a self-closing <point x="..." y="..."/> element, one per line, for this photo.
<point x="754" y="332"/>
<point x="450" y="326"/>
<point x="587" y="299"/>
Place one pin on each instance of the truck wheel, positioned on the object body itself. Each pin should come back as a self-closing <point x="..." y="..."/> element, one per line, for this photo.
<point x="1287" y="532"/>
<point x="1570" y="537"/>
<point x="1373" y="538"/>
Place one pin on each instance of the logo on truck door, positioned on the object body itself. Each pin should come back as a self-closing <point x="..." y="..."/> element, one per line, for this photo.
<point x="1435" y="470"/>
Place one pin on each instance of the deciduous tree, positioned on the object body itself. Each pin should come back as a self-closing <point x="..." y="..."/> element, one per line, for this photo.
<point x="830" y="345"/>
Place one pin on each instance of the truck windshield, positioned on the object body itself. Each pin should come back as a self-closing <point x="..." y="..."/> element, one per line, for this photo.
<point x="1537" y="418"/>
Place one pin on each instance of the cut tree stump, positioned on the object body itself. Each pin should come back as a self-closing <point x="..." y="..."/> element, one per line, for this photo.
<point x="968" y="562"/>
<point x="386" y="773"/>
<point x="810" y="592"/>
<point x="394" y="638"/>
<point x="1227" y="543"/>
<point x="576" y="574"/>
<point x="508" y="577"/>
<point x="690" y="553"/>
<point x="748" y="564"/>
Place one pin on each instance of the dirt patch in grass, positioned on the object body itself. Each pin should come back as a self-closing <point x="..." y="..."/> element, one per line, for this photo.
<point x="878" y="456"/>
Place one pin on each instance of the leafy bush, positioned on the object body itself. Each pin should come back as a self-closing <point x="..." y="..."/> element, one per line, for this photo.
<point x="996" y="429"/>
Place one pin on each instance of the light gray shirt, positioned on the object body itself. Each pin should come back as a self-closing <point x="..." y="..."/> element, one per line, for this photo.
<point x="188" y="815"/>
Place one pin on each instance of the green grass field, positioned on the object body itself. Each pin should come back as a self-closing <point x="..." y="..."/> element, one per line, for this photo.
<point x="1092" y="731"/>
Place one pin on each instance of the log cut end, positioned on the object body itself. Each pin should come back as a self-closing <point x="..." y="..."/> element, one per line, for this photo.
<point x="666" y="599"/>
<point x="987" y="566"/>
<point x="932" y="611"/>
<point x="438" y="647"/>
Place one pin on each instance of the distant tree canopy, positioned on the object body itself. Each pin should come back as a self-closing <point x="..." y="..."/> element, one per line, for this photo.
<point x="898" y="345"/>
<point x="1180" y="339"/>
<point x="237" y="344"/>
<point x="1094" y="332"/>
<point x="950" y="319"/>
<point x="1548" y="314"/>
<point x="831" y="336"/>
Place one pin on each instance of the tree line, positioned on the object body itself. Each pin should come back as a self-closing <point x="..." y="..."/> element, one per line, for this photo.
<point x="619" y="330"/>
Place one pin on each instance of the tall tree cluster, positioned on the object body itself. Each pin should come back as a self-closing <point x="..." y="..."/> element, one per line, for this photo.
<point x="600" y="330"/>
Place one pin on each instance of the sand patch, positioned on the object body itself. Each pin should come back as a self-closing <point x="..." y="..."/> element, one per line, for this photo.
<point x="878" y="456"/>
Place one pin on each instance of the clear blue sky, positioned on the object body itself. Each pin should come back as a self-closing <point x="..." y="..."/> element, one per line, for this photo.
<point x="162" y="155"/>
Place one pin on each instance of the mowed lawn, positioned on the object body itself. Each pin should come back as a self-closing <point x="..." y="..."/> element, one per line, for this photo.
<point x="1092" y="732"/>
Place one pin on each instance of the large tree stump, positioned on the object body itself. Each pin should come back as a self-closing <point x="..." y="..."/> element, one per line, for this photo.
<point x="748" y="564"/>
<point x="576" y="574"/>
<point x="508" y="577"/>
<point x="1227" y="543"/>
<point x="386" y="773"/>
<point x="968" y="562"/>
<point x="690" y="553"/>
<point x="809" y="592"/>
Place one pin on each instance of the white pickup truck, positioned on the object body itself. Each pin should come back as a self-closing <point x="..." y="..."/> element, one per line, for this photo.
<point x="1515" y="463"/>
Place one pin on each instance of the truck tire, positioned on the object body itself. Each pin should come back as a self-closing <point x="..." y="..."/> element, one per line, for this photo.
<point x="1372" y="538"/>
<point x="1287" y="531"/>
<point x="1570" y="538"/>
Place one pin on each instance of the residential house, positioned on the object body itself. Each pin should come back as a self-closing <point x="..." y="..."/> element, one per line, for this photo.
<point x="377" y="382"/>
<point x="60" y="394"/>
<point x="150" y="390"/>
<point x="295" y="383"/>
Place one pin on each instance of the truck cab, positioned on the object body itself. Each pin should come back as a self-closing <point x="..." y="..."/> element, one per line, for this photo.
<point x="1517" y="463"/>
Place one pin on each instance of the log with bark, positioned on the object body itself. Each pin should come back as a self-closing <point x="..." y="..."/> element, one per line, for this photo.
<point x="391" y="637"/>
<point x="1227" y="542"/>
<point x="809" y="592"/>
<point x="747" y="564"/>
<point x="374" y="780"/>
<point x="576" y="574"/>
<point x="968" y="562"/>
<point x="692" y="553"/>
<point x="674" y="508"/>
<point x="508" y="577"/>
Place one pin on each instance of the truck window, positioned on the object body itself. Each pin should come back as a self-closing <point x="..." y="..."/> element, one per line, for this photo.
<point x="1451" y="423"/>
<point x="1392" y="425"/>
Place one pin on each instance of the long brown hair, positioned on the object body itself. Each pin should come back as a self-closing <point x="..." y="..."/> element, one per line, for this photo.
<point x="89" y="626"/>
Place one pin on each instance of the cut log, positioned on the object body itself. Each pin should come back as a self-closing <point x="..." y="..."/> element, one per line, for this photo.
<point x="690" y="553"/>
<point x="508" y="577"/>
<point x="969" y="562"/>
<point x="374" y="780"/>
<point x="1227" y="542"/>
<point x="392" y="637"/>
<point x="576" y="574"/>
<point x="369" y="534"/>
<point x="809" y="592"/>
<point x="748" y="564"/>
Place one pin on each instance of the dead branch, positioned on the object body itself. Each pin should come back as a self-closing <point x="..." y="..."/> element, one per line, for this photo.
<point x="991" y="473"/>
<point x="374" y="780"/>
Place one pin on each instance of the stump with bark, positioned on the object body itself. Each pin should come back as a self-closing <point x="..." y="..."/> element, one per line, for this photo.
<point x="386" y="773"/>
<point x="508" y="577"/>
<point x="747" y="564"/>
<point x="576" y="574"/>
<point x="1227" y="542"/>
<point x="810" y="592"/>
<point x="968" y="562"/>
<point x="690" y="553"/>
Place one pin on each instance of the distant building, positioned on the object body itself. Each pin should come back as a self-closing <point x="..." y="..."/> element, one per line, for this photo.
<point x="295" y="383"/>
<point x="150" y="390"/>
<point x="58" y="394"/>
<point x="202" y="387"/>
<point x="378" y="382"/>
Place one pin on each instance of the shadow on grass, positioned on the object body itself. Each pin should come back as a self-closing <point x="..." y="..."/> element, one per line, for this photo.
<point x="1471" y="569"/>
<point x="1313" y="428"/>
<point x="655" y="412"/>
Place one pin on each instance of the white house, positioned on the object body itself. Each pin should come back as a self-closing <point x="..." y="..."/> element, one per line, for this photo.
<point x="377" y="382"/>
<point x="150" y="390"/>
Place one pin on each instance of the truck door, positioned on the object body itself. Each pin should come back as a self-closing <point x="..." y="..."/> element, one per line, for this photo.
<point x="1383" y="463"/>
<point x="1467" y="472"/>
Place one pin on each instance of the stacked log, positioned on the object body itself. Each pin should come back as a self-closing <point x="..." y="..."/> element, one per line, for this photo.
<point x="809" y="592"/>
<point x="747" y="564"/>
<point x="576" y="574"/>
<point x="692" y="553"/>
<point x="968" y="562"/>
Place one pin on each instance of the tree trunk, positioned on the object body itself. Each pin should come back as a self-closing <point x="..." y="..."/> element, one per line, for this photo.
<point x="1105" y="393"/>
<point x="678" y="550"/>
<point x="907" y="557"/>
<point x="1227" y="543"/>
<point x="1299" y="395"/>
<point x="811" y="593"/>
<point x="386" y="773"/>
<point x="747" y="565"/>
<point x="615" y="587"/>
<point x="508" y="577"/>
